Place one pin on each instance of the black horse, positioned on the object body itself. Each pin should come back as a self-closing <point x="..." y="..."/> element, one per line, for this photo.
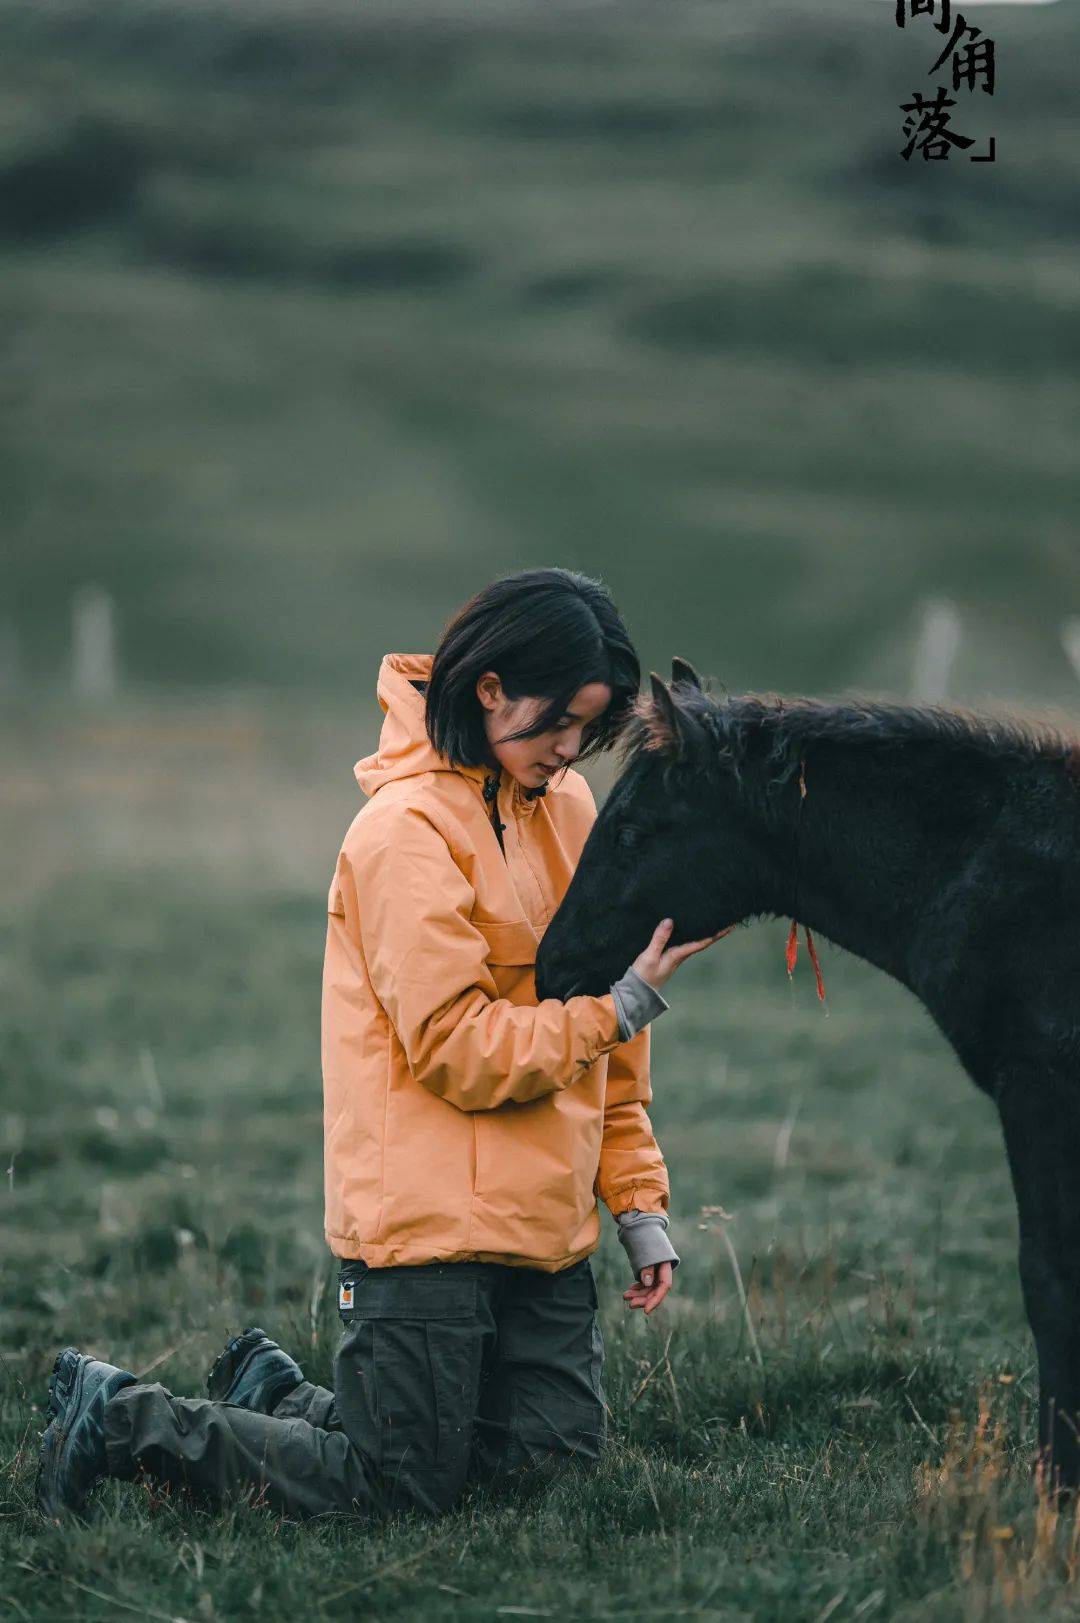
<point x="940" y="846"/>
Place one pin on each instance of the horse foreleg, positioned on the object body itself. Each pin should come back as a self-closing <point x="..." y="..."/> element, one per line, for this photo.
<point x="1041" y="1121"/>
<point x="1052" y="1303"/>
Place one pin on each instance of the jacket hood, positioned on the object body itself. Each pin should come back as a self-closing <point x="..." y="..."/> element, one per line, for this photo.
<point x="404" y="747"/>
<point x="405" y="750"/>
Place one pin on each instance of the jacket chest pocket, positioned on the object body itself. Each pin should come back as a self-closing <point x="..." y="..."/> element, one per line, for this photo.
<point x="511" y="945"/>
<point x="511" y="957"/>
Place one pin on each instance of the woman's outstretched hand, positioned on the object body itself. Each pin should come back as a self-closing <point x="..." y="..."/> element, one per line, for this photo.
<point x="659" y="962"/>
<point x="649" y="1291"/>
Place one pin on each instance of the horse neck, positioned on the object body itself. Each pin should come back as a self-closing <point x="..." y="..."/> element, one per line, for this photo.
<point x="859" y="862"/>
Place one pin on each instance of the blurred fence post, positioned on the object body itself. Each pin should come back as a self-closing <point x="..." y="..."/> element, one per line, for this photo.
<point x="94" y="672"/>
<point x="1070" y="641"/>
<point x="935" y="651"/>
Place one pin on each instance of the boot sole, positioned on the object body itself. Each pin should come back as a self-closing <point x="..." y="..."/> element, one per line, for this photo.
<point x="54" y="1438"/>
<point x="53" y="1407"/>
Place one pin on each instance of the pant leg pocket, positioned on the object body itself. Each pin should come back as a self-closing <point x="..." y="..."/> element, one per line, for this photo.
<point x="425" y="1364"/>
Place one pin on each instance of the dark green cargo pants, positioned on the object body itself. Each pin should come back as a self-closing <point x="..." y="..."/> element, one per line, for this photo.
<point x="445" y="1372"/>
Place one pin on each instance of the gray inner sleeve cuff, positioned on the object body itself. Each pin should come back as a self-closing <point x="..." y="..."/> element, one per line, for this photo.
<point x="636" y="1003"/>
<point x="644" y="1238"/>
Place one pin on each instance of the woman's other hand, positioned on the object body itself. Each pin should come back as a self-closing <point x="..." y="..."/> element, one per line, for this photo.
<point x="649" y="1291"/>
<point x="659" y="962"/>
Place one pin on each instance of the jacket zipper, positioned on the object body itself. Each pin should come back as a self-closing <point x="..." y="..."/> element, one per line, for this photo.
<point x="491" y="796"/>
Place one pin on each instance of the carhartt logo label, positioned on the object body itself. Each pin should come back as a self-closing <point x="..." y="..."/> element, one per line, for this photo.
<point x="345" y="1295"/>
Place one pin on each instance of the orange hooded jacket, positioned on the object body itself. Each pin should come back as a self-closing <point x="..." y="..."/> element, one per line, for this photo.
<point x="463" y="1120"/>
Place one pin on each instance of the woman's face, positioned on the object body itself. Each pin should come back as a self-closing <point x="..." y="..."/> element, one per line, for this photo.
<point x="532" y="761"/>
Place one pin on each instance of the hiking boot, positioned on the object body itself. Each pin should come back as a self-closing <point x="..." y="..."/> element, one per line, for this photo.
<point x="73" y="1444"/>
<point x="253" y="1372"/>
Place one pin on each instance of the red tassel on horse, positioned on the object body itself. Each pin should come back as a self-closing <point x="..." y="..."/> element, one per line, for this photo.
<point x="816" y="961"/>
<point x="811" y="947"/>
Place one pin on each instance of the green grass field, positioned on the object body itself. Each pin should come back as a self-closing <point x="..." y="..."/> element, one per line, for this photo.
<point x="855" y="1443"/>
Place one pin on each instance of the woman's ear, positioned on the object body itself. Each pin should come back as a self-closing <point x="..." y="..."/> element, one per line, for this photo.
<point x="489" y="690"/>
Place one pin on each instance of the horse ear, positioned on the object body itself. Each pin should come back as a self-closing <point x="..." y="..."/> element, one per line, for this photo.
<point x="682" y="671"/>
<point x="666" y="724"/>
<point x="662" y="699"/>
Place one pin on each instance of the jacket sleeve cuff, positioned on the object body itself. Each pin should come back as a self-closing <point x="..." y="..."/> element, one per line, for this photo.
<point x="644" y="1238"/>
<point x="609" y="1032"/>
<point x="636" y="1003"/>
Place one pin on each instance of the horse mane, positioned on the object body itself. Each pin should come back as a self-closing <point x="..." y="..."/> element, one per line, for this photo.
<point x="725" y="730"/>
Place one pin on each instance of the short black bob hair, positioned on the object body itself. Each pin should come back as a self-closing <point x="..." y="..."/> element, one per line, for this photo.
<point x="546" y="633"/>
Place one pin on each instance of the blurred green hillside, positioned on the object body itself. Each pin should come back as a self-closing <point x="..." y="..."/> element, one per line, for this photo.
<point x="315" y="318"/>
